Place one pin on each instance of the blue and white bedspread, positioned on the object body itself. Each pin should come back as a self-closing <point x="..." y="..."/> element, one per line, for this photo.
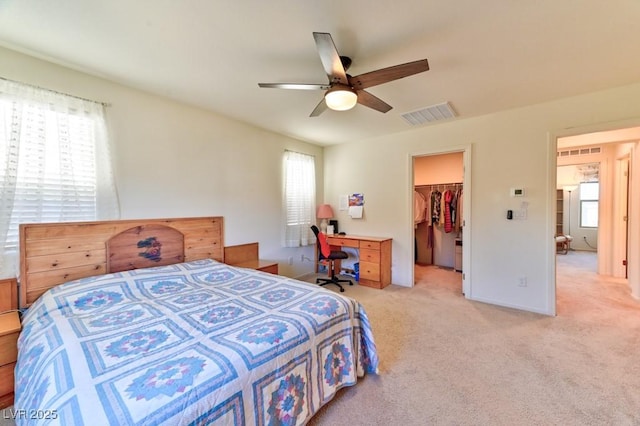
<point x="193" y="343"/>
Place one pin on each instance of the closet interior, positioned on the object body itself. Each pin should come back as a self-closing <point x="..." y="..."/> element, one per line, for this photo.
<point x="439" y="198"/>
<point x="438" y="225"/>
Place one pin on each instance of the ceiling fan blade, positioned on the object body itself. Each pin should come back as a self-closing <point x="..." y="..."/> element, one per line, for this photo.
<point x="367" y="99"/>
<point x="319" y="109"/>
<point x="330" y="58"/>
<point x="297" y="86"/>
<point x="385" y="75"/>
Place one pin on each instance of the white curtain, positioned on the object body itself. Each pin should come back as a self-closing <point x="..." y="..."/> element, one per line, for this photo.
<point x="54" y="163"/>
<point x="299" y="201"/>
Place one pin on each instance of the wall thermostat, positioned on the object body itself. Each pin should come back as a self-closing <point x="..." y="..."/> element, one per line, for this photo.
<point x="517" y="192"/>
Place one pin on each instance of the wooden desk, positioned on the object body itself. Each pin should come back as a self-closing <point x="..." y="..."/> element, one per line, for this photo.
<point x="246" y="256"/>
<point x="374" y="255"/>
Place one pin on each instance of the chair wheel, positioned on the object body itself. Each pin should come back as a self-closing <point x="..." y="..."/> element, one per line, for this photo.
<point x="342" y="290"/>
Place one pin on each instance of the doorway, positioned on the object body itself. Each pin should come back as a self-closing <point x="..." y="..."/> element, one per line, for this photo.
<point x="578" y="206"/>
<point x="610" y="154"/>
<point x="438" y="220"/>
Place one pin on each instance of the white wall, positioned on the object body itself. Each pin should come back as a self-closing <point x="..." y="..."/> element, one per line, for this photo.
<point x="511" y="148"/>
<point x="172" y="160"/>
<point x="175" y="160"/>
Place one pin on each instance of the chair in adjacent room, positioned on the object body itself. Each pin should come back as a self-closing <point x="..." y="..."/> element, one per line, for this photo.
<point x="563" y="243"/>
<point x="326" y="254"/>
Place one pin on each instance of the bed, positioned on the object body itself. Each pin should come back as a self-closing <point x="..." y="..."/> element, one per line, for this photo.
<point x="161" y="331"/>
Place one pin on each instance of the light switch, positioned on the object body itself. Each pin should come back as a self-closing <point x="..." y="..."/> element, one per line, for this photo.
<point x="517" y="192"/>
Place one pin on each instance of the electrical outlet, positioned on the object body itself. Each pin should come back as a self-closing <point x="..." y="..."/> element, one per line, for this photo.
<point x="522" y="281"/>
<point x="290" y="260"/>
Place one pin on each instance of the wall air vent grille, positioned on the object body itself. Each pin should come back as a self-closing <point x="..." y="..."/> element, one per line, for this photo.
<point x="429" y="114"/>
<point x="580" y="151"/>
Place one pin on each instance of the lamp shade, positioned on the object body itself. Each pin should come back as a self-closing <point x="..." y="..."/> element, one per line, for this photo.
<point x="341" y="98"/>
<point x="325" y="211"/>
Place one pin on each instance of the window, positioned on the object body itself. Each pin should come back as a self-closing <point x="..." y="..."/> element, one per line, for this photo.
<point x="589" y="194"/>
<point x="299" y="199"/>
<point x="54" y="162"/>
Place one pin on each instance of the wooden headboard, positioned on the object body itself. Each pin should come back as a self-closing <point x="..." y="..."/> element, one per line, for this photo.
<point x="54" y="253"/>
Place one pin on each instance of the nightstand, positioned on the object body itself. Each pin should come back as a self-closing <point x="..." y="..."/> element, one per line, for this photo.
<point x="246" y="256"/>
<point x="260" y="265"/>
<point x="8" y="294"/>
<point x="9" y="331"/>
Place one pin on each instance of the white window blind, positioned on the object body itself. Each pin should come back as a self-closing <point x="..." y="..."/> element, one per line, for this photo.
<point x="54" y="162"/>
<point x="299" y="198"/>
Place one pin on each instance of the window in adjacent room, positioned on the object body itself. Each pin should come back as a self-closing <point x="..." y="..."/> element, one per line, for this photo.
<point x="299" y="198"/>
<point x="54" y="162"/>
<point x="589" y="194"/>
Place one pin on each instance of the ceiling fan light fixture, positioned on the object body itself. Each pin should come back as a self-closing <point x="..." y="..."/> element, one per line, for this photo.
<point x="341" y="98"/>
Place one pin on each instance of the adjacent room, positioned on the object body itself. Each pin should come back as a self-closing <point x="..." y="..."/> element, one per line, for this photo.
<point x="287" y="212"/>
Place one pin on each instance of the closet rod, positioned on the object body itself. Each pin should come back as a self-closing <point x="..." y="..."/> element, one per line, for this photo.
<point x="439" y="184"/>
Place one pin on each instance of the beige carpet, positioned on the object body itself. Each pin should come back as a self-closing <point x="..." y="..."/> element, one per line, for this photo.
<point x="449" y="361"/>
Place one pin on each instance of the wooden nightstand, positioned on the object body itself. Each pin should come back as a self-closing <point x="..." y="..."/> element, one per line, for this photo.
<point x="246" y="256"/>
<point x="9" y="331"/>
<point x="8" y="294"/>
<point x="260" y="265"/>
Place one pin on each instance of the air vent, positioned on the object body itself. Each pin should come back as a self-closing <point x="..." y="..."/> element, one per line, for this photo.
<point x="429" y="114"/>
<point x="580" y="151"/>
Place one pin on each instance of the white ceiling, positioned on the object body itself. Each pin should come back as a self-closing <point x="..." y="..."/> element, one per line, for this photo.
<point x="485" y="56"/>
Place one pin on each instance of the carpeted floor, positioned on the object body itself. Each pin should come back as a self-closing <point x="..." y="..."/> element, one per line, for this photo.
<point x="449" y="361"/>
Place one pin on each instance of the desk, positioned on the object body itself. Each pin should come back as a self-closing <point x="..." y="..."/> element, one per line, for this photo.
<point x="374" y="255"/>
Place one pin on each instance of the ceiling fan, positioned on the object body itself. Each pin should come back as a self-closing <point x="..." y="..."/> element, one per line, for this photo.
<point x="344" y="91"/>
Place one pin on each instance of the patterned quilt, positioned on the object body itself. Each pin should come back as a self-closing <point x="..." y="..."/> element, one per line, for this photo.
<point x="193" y="343"/>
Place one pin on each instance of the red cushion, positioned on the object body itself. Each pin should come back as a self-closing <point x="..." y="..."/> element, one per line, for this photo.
<point x="324" y="245"/>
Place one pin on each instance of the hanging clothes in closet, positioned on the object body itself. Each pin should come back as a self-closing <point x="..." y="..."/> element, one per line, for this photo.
<point x="419" y="216"/>
<point x="420" y="208"/>
<point x="444" y="209"/>
<point x="436" y="204"/>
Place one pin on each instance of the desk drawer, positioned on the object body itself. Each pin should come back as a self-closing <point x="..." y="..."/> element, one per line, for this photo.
<point x="342" y="242"/>
<point x="368" y="255"/>
<point x="371" y="245"/>
<point x="370" y="271"/>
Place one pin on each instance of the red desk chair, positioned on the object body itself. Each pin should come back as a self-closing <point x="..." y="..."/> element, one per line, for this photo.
<point x="325" y="253"/>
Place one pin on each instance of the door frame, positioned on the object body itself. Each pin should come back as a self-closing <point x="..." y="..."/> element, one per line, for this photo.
<point x="621" y="217"/>
<point x="633" y="239"/>
<point x="467" y="288"/>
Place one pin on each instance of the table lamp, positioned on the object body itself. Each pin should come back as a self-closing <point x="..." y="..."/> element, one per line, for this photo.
<point x="324" y="212"/>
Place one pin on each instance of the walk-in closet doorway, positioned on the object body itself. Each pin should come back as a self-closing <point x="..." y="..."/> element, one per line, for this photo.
<point x="441" y="239"/>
